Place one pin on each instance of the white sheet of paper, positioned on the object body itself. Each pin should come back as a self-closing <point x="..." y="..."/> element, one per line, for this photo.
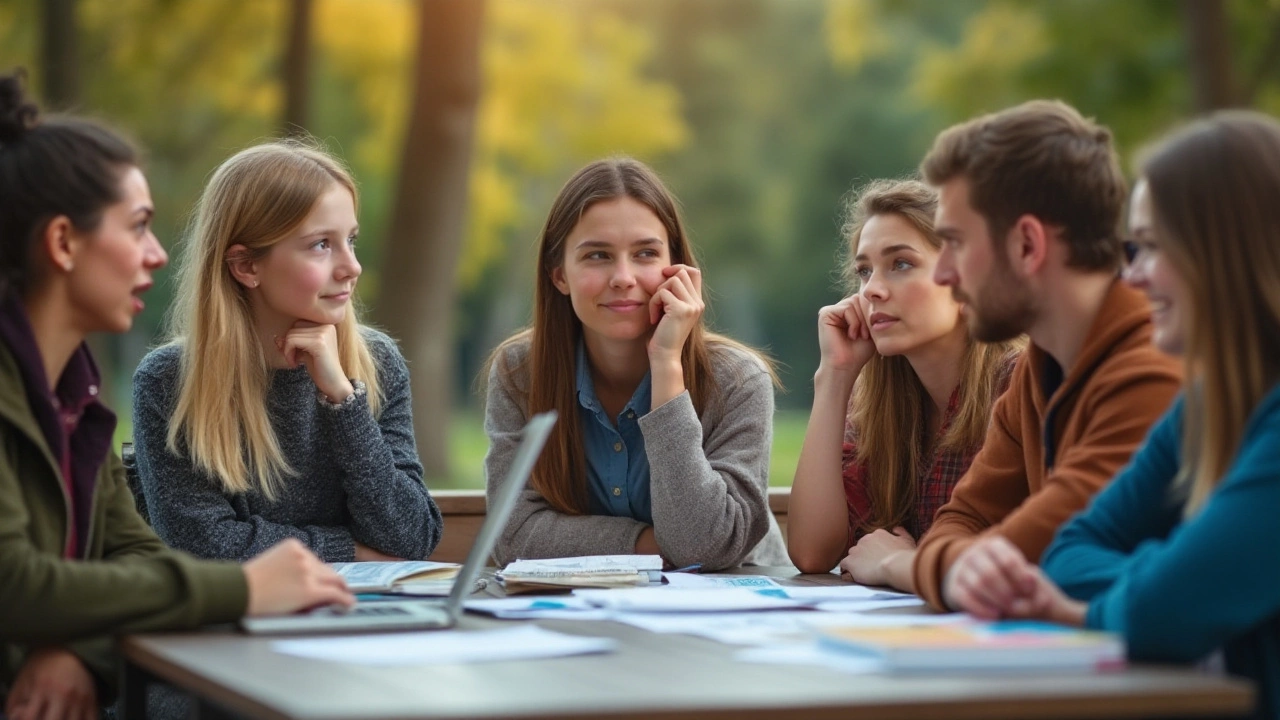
<point x="691" y="580"/>
<point x="451" y="646"/>
<point x="865" y="605"/>
<point x="587" y="564"/>
<point x="811" y="654"/>
<point x="665" y="599"/>
<point x="826" y="593"/>
<point x="528" y="608"/>
<point x="733" y="628"/>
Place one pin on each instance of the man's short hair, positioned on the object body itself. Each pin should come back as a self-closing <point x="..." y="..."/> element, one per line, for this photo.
<point x="1040" y="158"/>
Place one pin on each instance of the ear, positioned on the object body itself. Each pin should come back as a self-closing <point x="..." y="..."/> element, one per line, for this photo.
<point x="1028" y="245"/>
<point x="244" y="270"/>
<point x="557" y="279"/>
<point x="60" y="243"/>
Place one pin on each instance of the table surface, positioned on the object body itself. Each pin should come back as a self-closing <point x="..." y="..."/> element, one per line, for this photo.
<point x="652" y="675"/>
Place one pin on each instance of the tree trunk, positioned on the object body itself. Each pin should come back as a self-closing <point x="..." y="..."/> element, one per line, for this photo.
<point x="417" y="299"/>
<point x="1209" y="54"/>
<point x="297" y="68"/>
<point x="58" y="43"/>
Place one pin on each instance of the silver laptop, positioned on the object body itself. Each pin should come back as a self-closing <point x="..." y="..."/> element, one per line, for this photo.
<point x="434" y="612"/>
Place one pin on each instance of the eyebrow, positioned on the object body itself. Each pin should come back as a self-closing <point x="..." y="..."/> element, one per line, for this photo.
<point x="321" y="232"/>
<point x="889" y="251"/>
<point x="602" y="244"/>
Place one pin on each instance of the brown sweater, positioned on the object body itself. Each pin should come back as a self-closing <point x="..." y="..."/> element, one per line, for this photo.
<point x="1046" y="454"/>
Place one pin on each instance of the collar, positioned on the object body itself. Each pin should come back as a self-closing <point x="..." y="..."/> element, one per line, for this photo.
<point x="586" y="386"/>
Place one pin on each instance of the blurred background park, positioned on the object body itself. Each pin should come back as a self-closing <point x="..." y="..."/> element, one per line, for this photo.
<point x="462" y="118"/>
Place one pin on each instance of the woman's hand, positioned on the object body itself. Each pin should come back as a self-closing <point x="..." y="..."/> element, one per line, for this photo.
<point x="867" y="561"/>
<point x="991" y="579"/>
<point x="52" y="684"/>
<point x="844" y="337"/>
<point x="288" y="578"/>
<point x="316" y="347"/>
<point x="675" y="309"/>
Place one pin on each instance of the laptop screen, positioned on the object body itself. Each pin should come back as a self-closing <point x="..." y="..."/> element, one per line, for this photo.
<point x="496" y="515"/>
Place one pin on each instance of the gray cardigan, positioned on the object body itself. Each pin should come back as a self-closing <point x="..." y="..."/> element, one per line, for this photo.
<point x="357" y="479"/>
<point x="708" y="476"/>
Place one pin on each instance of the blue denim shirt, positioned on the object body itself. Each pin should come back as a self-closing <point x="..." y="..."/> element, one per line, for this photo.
<point x="617" y="465"/>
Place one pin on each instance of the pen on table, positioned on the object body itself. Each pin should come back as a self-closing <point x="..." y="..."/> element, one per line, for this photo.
<point x="688" y="568"/>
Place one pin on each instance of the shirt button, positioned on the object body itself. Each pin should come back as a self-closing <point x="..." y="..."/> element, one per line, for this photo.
<point x="631" y="414"/>
<point x="617" y="491"/>
<point x="617" y="447"/>
<point x="93" y="390"/>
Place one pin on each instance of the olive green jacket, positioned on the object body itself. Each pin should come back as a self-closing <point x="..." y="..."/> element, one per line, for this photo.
<point x="127" y="580"/>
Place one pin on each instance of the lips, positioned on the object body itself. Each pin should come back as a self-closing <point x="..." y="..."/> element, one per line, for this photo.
<point x="339" y="297"/>
<point x="880" y="321"/>
<point x="623" y="305"/>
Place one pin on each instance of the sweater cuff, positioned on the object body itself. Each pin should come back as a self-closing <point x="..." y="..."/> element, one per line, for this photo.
<point x="220" y="589"/>
<point x="933" y="562"/>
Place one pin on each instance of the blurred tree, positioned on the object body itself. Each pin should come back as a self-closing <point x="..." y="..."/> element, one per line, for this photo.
<point x="297" y="68"/>
<point x="59" y="37"/>
<point x="418" y="293"/>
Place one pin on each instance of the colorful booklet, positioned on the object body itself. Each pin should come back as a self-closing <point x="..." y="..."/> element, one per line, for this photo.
<point x="590" y="571"/>
<point x="369" y="577"/>
<point x="1003" y="645"/>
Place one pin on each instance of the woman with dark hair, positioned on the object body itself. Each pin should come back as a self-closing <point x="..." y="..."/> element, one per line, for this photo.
<point x="901" y="399"/>
<point x="1179" y="554"/>
<point x="77" y="563"/>
<point x="663" y="444"/>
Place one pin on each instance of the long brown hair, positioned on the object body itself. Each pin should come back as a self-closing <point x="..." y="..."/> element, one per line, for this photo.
<point x="890" y="408"/>
<point x="551" y="364"/>
<point x="1215" y="192"/>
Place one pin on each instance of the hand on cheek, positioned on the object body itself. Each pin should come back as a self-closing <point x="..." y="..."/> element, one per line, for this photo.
<point x="675" y="308"/>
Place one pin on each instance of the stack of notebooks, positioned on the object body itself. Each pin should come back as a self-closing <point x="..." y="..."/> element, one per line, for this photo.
<point x="1003" y="646"/>
<point x="592" y="571"/>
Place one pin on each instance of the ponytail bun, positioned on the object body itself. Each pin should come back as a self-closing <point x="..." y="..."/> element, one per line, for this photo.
<point x="17" y="114"/>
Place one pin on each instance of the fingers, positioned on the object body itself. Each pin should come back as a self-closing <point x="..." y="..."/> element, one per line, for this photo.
<point x="987" y="578"/>
<point x="856" y="317"/>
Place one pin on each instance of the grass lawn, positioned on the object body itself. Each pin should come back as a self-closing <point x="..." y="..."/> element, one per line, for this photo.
<point x="469" y="444"/>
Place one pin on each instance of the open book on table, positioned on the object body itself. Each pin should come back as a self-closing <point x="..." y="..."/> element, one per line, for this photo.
<point x="405" y="576"/>
<point x="589" y="571"/>
<point x="1005" y="645"/>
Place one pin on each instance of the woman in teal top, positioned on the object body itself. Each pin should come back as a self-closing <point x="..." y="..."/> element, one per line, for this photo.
<point x="1181" y="553"/>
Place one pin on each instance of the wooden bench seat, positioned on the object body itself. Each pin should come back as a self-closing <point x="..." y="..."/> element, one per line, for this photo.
<point x="463" y="511"/>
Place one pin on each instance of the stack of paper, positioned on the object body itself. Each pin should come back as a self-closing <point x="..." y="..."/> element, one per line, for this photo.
<point x="393" y="576"/>
<point x="592" y="571"/>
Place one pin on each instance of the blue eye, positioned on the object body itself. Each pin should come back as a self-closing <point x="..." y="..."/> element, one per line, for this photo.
<point x="901" y="264"/>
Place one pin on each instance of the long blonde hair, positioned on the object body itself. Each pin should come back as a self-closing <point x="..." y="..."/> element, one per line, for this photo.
<point x="255" y="199"/>
<point x="1215" y="192"/>
<point x="889" y="408"/>
<point x="551" y="364"/>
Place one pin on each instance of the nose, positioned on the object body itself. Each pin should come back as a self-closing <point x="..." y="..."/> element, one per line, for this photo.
<point x="347" y="267"/>
<point x="623" y="277"/>
<point x="874" y="288"/>
<point x="1136" y="273"/>
<point x="944" y="273"/>
<point x="153" y="255"/>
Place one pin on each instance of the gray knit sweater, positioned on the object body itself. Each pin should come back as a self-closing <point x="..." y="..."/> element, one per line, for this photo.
<point x="358" y="477"/>
<point x="708" y="476"/>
